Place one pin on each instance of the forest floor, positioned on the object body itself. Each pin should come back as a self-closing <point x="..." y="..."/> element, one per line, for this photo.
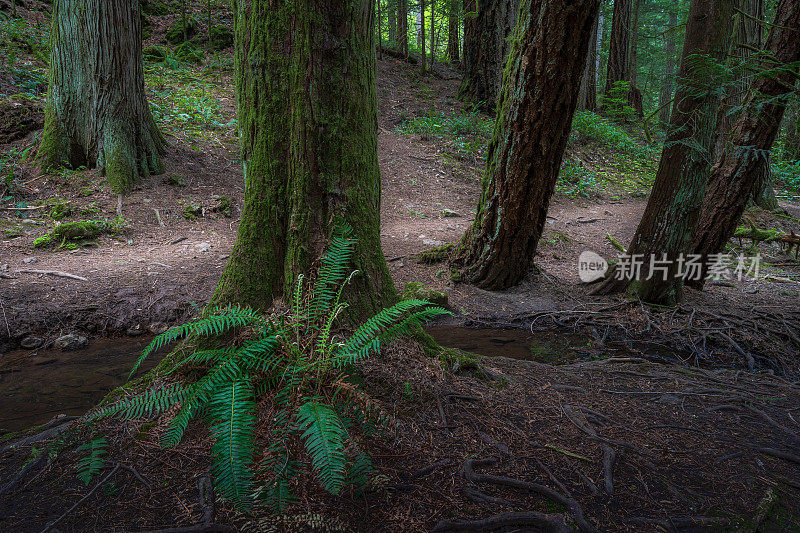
<point x="684" y="419"/>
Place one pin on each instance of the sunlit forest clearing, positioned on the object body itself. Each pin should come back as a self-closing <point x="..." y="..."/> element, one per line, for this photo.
<point x="399" y="265"/>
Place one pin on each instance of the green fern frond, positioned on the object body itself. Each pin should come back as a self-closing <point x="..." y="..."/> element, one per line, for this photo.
<point x="334" y="269"/>
<point x="360" y="470"/>
<point x="213" y="325"/>
<point x="151" y="401"/>
<point x="232" y="411"/>
<point x="323" y="435"/>
<point x="91" y="464"/>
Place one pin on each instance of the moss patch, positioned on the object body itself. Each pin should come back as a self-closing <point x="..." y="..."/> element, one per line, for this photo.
<point x="418" y="291"/>
<point x="70" y="234"/>
<point x="434" y="255"/>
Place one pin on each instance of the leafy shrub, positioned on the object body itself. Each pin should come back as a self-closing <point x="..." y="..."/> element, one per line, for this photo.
<point x="787" y="173"/>
<point x="220" y="37"/>
<point x="181" y="30"/>
<point x="616" y="104"/>
<point x="156" y="53"/>
<point x="298" y="363"/>
<point x="575" y="180"/>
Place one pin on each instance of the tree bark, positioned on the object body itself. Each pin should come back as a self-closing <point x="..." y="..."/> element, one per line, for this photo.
<point x="391" y="10"/>
<point x="453" y="31"/>
<point x="96" y="113"/>
<point x="668" y="82"/>
<point x="423" y="63"/>
<point x="536" y="106"/>
<point x="305" y="86"/>
<point x="587" y="99"/>
<point x="620" y="59"/>
<point x="738" y="167"/>
<point x="486" y="50"/>
<point x="402" y="27"/>
<point x="668" y="224"/>
<point x="470" y="44"/>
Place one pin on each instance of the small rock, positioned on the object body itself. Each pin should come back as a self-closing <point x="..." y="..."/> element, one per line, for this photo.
<point x="203" y="246"/>
<point x="29" y="260"/>
<point x="157" y="328"/>
<point x="31" y="342"/>
<point x="71" y="342"/>
<point x="449" y="213"/>
<point x="134" y="331"/>
<point x="432" y="242"/>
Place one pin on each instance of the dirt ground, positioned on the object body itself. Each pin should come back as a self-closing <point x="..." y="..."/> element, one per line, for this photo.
<point x="680" y="419"/>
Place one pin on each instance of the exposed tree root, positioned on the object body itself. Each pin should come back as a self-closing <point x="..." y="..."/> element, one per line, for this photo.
<point x="527" y="519"/>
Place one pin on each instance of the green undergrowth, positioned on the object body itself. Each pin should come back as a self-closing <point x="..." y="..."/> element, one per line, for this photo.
<point x="186" y="104"/>
<point x="24" y="54"/>
<point x="70" y="235"/>
<point x="468" y="131"/>
<point x="297" y="364"/>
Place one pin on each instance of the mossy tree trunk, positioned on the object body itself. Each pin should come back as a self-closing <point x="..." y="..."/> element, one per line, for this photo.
<point x="668" y="224"/>
<point x="587" y="99"/>
<point x="486" y="47"/>
<point x="96" y="113"/>
<point x="305" y="85"/>
<point x="738" y="168"/>
<point x="536" y="106"/>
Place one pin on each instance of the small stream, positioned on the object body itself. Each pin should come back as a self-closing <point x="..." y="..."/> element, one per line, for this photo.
<point x="36" y="385"/>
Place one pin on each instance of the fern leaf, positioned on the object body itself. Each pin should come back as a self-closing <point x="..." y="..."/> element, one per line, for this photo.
<point x="334" y="269"/>
<point x="145" y="404"/>
<point x="232" y="411"/>
<point x="212" y="325"/>
<point x="91" y="464"/>
<point x="323" y="435"/>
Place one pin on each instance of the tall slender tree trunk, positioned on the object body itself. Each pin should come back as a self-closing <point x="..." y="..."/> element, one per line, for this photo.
<point x="486" y="51"/>
<point x="433" y="32"/>
<point x="587" y="99"/>
<point x="402" y="27"/>
<point x="422" y="34"/>
<point x="668" y="82"/>
<point x="96" y="113"/>
<point x="536" y="106"/>
<point x="453" y="33"/>
<point x="305" y="86"/>
<point x="738" y="167"/>
<point x="620" y="59"/>
<point x="391" y="10"/>
<point x="667" y="226"/>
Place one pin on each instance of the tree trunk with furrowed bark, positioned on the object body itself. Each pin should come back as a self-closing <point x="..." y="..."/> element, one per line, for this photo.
<point x="535" y="110"/>
<point x="668" y="224"/>
<point x="739" y="167"/>
<point x="96" y="115"/>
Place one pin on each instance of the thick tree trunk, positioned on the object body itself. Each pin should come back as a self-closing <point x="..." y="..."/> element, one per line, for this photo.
<point x="469" y="47"/>
<point x="668" y="82"/>
<point x="96" y="113"/>
<point x="453" y="33"/>
<point x="587" y="99"/>
<point x="486" y="50"/>
<point x="764" y="189"/>
<point x="667" y="226"/>
<point x="402" y="27"/>
<point x="536" y="106"/>
<point x="620" y="60"/>
<point x="305" y="86"/>
<point x="738" y="167"/>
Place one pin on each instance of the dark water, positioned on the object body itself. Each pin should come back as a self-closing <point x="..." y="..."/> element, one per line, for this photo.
<point x="36" y="385"/>
<point x="542" y="346"/>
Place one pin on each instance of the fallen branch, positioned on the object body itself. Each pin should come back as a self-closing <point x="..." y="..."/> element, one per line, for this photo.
<point x="56" y="273"/>
<point x="51" y="525"/>
<point x="22" y="474"/>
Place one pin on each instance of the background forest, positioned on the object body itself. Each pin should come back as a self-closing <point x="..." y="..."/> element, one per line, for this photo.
<point x="314" y="265"/>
